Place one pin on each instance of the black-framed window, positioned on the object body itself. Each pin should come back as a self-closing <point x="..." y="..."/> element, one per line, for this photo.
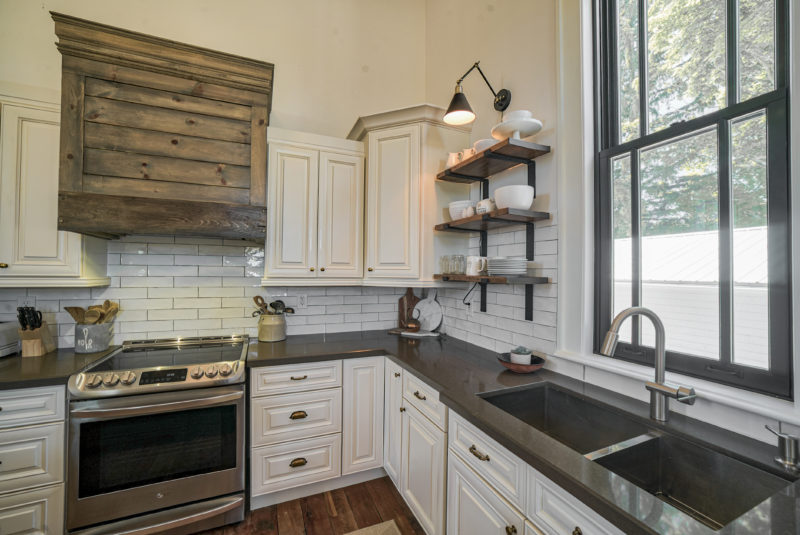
<point x="692" y="212"/>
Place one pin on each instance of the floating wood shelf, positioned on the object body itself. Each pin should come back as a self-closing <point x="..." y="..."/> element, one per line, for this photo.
<point x="504" y="217"/>
<point x="497" y="158"/>
<point x="492" y="279"/>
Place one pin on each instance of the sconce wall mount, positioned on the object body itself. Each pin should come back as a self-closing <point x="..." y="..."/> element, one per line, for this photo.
<point x="460" y="112"/>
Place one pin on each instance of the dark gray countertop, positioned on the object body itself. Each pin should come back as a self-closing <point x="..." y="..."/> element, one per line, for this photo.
<point x="53" y="368"/>
<point x="460" y="370"/>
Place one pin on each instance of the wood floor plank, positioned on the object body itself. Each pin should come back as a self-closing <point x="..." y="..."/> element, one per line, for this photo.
<point x="341" y="516"/>
<point x="391" y="506"/>
<point x="364" y="511"/>
<point x="290" y="518"/>
<point x="315" y="515"/>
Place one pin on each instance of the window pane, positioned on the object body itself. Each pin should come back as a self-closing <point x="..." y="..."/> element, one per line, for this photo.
<point x="686" y="68"/>
<point x="680" y="242"/>
<point x="749" y="215"/>
<point x="628" y="68"/>
<point x="622" y="234"/>
<point x="756" y="47"/>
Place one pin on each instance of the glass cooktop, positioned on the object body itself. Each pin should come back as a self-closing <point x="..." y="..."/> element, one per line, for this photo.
<point x="190" y="352"/>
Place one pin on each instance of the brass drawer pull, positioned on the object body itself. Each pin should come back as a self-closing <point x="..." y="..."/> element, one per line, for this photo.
<point x="298" y="415"/>
<point x="322" y="269"/>
<point x="300" y="461"/>
<point x="3" y="265"/>
<point x="474" y="451"/>
<point x="396" y="374"/>
<point x="510" y="530"/>
<point x="419" y="396"/>
<point x="577" y="531"/>
<point x="311" y="269"/>
<point x="369" y="269"/>
<point x="298" y="378"/>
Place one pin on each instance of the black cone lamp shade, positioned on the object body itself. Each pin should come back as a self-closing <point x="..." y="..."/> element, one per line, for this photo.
<point x="459" y="110"/>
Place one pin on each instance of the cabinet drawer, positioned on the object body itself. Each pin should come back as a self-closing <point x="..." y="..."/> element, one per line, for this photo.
<point x="425" y="399"/>
<point x="556" y="511"/>
<point x="294" y="416"/>
<point x="501" y="468"/>
<point x="38" y="512"/>
<point x="474" y="508"/>
<point x="297" y="463"/>
<point x="31" y="456"/>
<point x="31" y="406"/>
<point x="296" y="377"/>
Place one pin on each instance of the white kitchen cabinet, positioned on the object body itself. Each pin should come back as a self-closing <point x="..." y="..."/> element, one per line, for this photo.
<point x="31" y="456"/>
<point x="424" y="464"/>
<point x="393" y="422"/>
<point x="362" y="438"/>
<point x="33" y="252"/>
<point x="405" y="150"/>
<point x="36" y="512"/>
<point x="474" y="508"/>
<point x="315" y="201"/>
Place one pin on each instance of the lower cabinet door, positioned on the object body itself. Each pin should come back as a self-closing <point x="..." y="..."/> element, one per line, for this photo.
<point x="393" y="422"/>
<point x="423" y="470"/>
<point x="474" y="508"/>
<point x="292" y="464"/>
<point x="362" y="440"/>
<point x="37" y="512"/>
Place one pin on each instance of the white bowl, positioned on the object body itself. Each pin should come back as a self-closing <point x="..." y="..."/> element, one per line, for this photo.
<point x="456" y="207"/>
<point x="483" y="144"/>
<point x="517" y="197"/>
<point x="517" y="114"/>
<point x="520" y="359"/>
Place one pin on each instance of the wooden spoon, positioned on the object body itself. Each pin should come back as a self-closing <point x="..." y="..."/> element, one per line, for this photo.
<point x="92" y="316"/>
<point x="111" y="313"/>
<point x="77" y="313"/>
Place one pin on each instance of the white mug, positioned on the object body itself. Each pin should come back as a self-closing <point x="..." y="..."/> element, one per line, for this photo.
<point x="484" y="206"/>
<point x="467" y="153"/>
<point x="453" y="158"/>
<point x="469" y="211"/>
<point x="476" y="265"/>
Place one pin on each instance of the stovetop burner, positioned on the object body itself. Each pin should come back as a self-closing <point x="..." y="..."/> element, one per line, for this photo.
<point x="159" y="365"/>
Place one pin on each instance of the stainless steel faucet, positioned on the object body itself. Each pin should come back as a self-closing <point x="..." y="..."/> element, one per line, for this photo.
<point x="660" y="391"/>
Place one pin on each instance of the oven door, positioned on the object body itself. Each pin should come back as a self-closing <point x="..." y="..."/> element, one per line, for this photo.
<point x="137" y="454"/>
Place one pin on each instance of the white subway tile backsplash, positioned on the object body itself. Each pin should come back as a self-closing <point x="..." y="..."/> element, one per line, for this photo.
<point x="198" y="260"/>
<point x="145" y="259"/>
<point x="172" y="271"/>
<point x="199" y="302"/>
<point x="196" y="282"/>
<point x="172" y="292"/>
<point x="172" y="314"/>
<point x="176" y="249"/>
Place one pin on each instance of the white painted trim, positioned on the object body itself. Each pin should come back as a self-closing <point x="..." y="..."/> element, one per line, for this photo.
<point x="28" y="95"/>
<point x="315" y="141"/>
<point x="386" y="283"/>
<point x="257" y="502"/>
<point x="736" y="409"/>
<point x="53" y="282"/>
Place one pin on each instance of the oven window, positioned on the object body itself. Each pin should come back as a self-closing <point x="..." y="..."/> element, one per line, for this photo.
<point x="131" y="452"/>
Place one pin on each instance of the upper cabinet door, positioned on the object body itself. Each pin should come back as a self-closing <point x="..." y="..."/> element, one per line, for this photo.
<point x="292" y="207"/>
<point x="341" y="209"/>
<point x="30" y="243"/>
<point x="393" y="203"/>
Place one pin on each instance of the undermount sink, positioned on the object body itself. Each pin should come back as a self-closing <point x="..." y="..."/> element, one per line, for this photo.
<point x="574" y="421"/>
<point x="709" y="486"/>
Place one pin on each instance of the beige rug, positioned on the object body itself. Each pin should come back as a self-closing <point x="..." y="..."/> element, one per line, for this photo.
<point x="386" y="528"/>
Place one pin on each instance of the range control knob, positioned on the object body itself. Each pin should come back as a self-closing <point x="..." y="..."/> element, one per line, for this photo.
<point x="111" y="379"/>
<point x="211" y="371"/>
<point x="225" y="370"/>
<point x="128" y="378"/>
<point x="197" y="372"/>
<point x="94" y="381"/>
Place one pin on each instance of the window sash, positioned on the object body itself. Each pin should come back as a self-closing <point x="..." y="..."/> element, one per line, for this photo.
<point x="776" y="381"/>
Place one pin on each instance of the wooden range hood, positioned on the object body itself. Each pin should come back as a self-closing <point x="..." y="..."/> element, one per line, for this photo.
<point x="159" y="137"/>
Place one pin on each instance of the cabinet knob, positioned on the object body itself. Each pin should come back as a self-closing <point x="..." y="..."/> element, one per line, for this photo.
<point x="402" y="409"/>
<point x="511" y="530"/>
<point x="370" y="269"/>
<point x="577" y="531"/>
<point x="322" y="269"/>
<point x="3" y="265"/>
<point x="396" y="374"/>
<point x="311" y="269"/>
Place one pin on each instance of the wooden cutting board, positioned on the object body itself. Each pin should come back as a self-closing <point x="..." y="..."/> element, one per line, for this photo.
<point x="405" y="306"/>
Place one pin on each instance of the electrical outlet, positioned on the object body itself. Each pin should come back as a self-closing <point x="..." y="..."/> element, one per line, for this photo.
<point x="302" y="300"/>
<point x="26" y="301"/>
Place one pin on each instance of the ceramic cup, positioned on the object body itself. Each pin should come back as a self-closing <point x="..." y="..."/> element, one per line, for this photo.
<point x="520" y="359"/>
<point x="453" y="158"/>
<point x="467" y="153"/>
<point x="476" y="265"/>
<point x="484" y="206"/>
<point x="469" y="211"/>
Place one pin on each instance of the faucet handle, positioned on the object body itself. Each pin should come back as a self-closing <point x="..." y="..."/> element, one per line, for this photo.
<point x="788" y="449"/>
<point x="683" y="394"/>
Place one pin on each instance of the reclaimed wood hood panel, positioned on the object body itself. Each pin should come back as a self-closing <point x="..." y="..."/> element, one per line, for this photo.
<point x="160" y="137"/>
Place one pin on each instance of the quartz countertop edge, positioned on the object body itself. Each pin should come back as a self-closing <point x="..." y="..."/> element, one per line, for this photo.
<point x="52" y="369"/>
<point x="459" y="371"/>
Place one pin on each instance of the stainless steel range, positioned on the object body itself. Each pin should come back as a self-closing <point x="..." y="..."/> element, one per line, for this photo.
<point x="156" y="438"/>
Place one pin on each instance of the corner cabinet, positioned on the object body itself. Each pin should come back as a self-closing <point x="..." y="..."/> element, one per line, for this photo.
<point x="33" y="252"/>
<point x="362" y="440"/>
<point x="315" y="202"/>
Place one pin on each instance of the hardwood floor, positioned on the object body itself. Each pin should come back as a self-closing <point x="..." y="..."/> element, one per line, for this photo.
<point x="336" y="512"/>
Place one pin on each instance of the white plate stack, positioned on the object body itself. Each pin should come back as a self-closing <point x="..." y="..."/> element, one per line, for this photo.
<point x="501" y="265"/>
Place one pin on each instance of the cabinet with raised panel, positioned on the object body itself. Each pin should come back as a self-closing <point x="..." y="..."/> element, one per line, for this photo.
<point x="33" y="252"/>
<point x="393" y="418"/>
<point x="362" y="419"/>
<point x="315" y="201"/>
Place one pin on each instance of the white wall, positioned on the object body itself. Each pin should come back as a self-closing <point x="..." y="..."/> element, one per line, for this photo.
<point x="334" y="59"/>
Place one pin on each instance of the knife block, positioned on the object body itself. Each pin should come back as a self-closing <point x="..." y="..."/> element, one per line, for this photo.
<point x="37" y="342"/>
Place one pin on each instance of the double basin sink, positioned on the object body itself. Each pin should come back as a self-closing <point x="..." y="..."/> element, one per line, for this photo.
<point x="712" y="487"/>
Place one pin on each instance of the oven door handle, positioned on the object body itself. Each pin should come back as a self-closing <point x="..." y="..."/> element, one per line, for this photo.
<point x="169" y="406"/>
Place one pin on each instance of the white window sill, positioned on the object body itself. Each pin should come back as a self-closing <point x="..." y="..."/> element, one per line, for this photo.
<point x="763" y="405"/>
